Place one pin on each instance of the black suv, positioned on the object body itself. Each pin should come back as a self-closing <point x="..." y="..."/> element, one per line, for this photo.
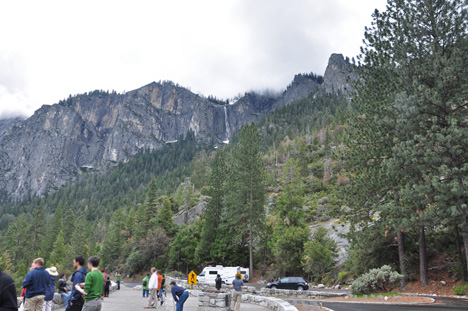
<point x="289" y="283"/>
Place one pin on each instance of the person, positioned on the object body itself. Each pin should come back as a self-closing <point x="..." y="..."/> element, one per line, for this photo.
<point x="63" y="288"/>
<point x="160" y="291"/>
<point x="218" y="282"/>
<point x="8" y="301"/>
<point x="118" y="275"/>
<point x="153" y="287"/>
<point x="180" y="295"/>
<point x="49" y="296"/>
<point x="93" y="286"/>
<point x="36" y="283"/>
<point x="238" y="285"/>
<point x="145" y="285"/>
<point x="107" y="287"/>
<point x="104" y="286"/>
<point x="163" y="286"/>
<point x="78" y="277"/>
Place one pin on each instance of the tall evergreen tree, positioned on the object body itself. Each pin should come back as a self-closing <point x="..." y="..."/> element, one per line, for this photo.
<point x="53" y="228"/>
<point x="418" y="50"/>
<point x="245" y="196"/>
<point x="164" y="217"/>
<point x="214" y="208"/>
<point x="151" y="203"/>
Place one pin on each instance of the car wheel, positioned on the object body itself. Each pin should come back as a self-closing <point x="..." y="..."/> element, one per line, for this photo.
<point x="300" y="288"/>
<point x="274" y="287"/>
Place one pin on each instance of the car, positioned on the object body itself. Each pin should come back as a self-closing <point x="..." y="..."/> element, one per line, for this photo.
<point x="297" y="283"/>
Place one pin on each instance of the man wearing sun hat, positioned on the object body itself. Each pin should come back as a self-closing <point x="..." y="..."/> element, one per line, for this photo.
<point x="49" y="296"/>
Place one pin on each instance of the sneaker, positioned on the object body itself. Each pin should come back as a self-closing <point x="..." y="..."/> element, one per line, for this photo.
<point x="161" y="302"/>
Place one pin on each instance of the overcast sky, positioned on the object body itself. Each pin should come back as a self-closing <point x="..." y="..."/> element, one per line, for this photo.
<point x="50" y="49"/>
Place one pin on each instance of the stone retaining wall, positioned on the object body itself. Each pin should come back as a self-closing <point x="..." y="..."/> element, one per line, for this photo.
<point x="214" y="301"/>
<point x="267" y="296"/>
<point x="248" y="296"/>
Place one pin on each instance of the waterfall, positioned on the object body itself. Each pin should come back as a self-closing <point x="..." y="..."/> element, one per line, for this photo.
<point x="228" y="129"/>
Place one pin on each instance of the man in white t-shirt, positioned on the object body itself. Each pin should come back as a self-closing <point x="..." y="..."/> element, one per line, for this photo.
<point x="153" y="287"/>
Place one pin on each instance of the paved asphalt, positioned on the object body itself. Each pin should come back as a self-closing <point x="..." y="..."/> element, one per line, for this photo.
<point x="129" y="299"/>
<point x="441" y="304"/>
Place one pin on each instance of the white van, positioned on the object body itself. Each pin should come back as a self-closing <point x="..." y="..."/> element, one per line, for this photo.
<point x="208" y="275"/>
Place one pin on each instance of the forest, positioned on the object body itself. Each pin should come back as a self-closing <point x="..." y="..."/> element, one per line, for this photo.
<point x="391" y="162"/>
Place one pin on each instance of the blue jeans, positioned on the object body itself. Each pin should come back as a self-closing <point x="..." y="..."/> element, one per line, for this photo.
<point x="161" y="294"/>
<point x="66" y="296"/>
<point x="146" y="291"/>
<point x="180" y="303"/>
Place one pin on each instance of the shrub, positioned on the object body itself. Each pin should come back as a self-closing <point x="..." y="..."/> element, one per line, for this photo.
<point x="376" y="280"/>
<point x="461" y="289"/>
<point x="320" y="254"/>
<point x="343" y="276"/>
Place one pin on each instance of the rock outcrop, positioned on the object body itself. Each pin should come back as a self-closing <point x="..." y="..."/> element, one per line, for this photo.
<point x="338" y="75"/>
<point x="96" y="130"/>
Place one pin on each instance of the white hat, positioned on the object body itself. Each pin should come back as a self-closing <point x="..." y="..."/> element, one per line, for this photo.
<point x="52" y="271"/>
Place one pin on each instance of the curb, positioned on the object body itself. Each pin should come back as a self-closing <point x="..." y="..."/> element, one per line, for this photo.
<point x="435" y="296"/>
<point x="382" y="303"/>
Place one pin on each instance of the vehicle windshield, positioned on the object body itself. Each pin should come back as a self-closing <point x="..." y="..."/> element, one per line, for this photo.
<point x="202" y="274"/>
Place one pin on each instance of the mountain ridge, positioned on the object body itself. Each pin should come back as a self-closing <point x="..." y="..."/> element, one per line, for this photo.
<point x="96" y="130"/>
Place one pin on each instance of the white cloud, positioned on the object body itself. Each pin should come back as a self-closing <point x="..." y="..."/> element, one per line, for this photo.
<point x="51" y="49"/>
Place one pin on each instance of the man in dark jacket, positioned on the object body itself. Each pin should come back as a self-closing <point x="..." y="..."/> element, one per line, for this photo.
<point x="78" y="277"/>
<point x="35" y="282"/>
<point x="218" y="282"/>
<point x="8" y="300"/>
<point x="180" y="295"/>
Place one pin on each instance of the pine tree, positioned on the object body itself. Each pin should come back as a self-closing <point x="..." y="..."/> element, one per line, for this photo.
<point x="164" y="217"/>
<point x="80" y="239"/>
<point x="245" y="197"/>
<point x="52" y="231"/>
<point x="59" y="257"/>
<point x="214" y="208"/>
<point x="151" y="203"/>
<point x="114" y="241"/>
<point x="289" y="205"/>
<point x="36" y="230"/>
<point x="415" y="50"/>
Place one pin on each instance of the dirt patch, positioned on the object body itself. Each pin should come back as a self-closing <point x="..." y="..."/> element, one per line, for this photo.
<point x="440" y="276"/>
<point x="391" y="299"/>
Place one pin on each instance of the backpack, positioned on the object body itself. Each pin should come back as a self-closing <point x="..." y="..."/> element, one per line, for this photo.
<point x="145" y="283"/>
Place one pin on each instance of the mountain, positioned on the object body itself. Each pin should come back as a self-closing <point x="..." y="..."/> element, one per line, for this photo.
<point x="96" y="130"/>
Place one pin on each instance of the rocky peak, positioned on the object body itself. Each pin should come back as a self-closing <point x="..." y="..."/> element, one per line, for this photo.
<point x="337" y="74"/>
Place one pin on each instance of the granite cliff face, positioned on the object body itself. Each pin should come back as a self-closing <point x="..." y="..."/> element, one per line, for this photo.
<point x="96" y="130"/>
<point x="337" y="75"/>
